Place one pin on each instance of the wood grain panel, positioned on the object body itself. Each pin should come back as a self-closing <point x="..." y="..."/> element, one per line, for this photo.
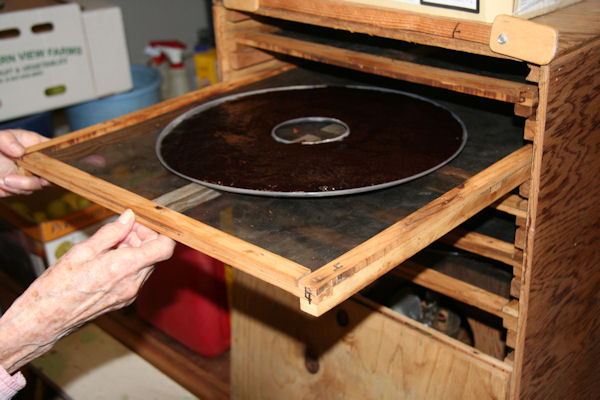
<point x="576" y="24"/>
<point x="561" y="278"/>
<point x="357" y="351"/>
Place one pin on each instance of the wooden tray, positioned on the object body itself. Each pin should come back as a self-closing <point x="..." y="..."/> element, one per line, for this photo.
<point x="322" y="250"/>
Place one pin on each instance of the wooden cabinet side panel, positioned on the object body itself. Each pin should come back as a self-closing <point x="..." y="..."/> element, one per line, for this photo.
<point x="560" y="348"/>
<point x="372" y="357"/>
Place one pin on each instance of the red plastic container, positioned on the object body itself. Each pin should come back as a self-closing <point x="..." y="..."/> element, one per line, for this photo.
<point x="186" y="297"/>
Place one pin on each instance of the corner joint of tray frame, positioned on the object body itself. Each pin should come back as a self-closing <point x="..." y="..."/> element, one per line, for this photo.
<point x="311" y="300"/>
<point x="316" y="304"/>
<point x="523" y="39"/>
<point x="308" y="306"/>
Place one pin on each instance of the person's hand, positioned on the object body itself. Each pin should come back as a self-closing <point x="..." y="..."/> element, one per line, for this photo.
<point x="101" y="274"/>
<point x="12" y="145"/>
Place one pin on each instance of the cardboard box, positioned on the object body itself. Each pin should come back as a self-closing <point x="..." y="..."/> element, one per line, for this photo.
<point x="105" y="34"/>
<point x="55" y="54"/>
<point x="474" y="10"/>
<point x="52" y="220"/>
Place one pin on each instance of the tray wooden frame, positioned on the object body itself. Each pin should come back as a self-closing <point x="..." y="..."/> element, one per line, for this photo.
<point x="318" y="290"/>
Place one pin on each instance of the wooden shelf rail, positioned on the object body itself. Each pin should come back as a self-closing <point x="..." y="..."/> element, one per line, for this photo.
<point x="454" y="288"/>
<point x="493" y="88"/>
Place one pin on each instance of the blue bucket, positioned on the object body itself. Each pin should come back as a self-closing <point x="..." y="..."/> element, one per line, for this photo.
<point x="40" y="123"/>
<point x="145" y="92"/>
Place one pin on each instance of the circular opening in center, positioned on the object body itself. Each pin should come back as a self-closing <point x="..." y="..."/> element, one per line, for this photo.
<point x="310" y="130"/>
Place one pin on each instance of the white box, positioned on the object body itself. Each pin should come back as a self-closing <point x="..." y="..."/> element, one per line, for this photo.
<point x="55" y="55"/>
<point x="105" y="34"/>
<point x="474" y="10"/>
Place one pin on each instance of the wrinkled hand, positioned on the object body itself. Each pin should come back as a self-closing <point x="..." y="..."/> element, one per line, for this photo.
<point x="12" y="145"/>
<point x="101" y="274"/>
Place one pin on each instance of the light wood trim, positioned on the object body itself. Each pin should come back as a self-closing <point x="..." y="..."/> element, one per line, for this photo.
<point x="515" y="287"/>
<point x="349" y="273"/>
<point x="484" y="245"/>
<point x="254" y="260"/>
<point x="511" y="339"/>
<point x="511" y="315"/>
<point x="494" y="88"/>
<point x="513" y="205"/>
<point x="523" y="39"/>
<point x="525" y="189"/>
<point x="451" y="287"/>
<point x="525" y="111"/>
<point x="518" y="272"/>
<point x="520" y="237"/>
<point x="531" y="127"/>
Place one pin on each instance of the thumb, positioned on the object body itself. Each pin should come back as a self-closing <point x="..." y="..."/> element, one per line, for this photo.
<point x="11" y="147"/>
<point x="112" y="233"/>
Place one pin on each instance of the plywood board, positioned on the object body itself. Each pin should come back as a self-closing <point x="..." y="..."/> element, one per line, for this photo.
<point x="352" y="352"/>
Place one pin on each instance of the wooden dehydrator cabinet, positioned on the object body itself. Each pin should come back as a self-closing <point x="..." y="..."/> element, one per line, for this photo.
<point x="505" y="237"/>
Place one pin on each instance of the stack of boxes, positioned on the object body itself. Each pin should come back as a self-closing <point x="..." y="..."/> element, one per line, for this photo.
<point x="54" y="54"/>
